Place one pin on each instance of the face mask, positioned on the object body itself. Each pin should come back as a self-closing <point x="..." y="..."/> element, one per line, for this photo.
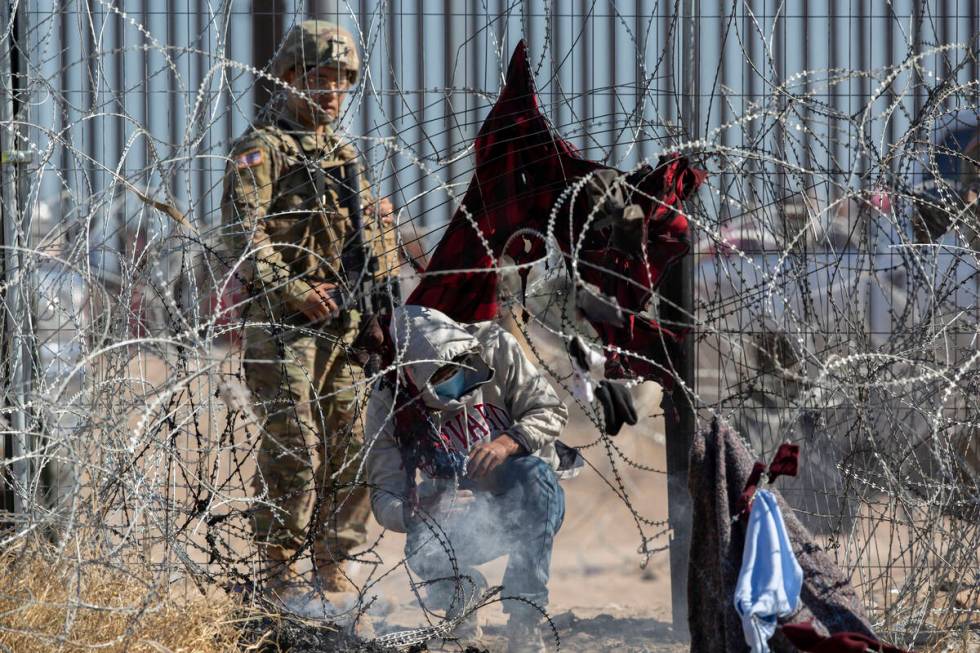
<point x="453" y="387"/>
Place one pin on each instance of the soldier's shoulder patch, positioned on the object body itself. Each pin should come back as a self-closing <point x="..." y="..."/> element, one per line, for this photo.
<point x="249" y="158"/>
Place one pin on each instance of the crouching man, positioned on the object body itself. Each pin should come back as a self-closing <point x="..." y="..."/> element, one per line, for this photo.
<point x="462" y="456"/>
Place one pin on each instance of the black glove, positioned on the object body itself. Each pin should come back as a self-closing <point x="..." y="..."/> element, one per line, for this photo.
<point x="577" y="351"/>
<point x="617" y="406"/>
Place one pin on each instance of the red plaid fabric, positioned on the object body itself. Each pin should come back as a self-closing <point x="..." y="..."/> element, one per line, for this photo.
<point x="806" y="638"/>
<point x="522" y="168"/>
<point x="786" y="462"/>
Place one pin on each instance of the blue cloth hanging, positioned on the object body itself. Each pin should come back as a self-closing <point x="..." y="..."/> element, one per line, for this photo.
<point x="769" y="582"/>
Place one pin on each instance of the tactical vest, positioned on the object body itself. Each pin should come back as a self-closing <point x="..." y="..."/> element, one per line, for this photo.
<point x="307" y="213"/>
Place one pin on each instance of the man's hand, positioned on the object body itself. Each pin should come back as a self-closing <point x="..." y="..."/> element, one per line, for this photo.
<point x="386" y="209"/>
<point x="318" y="305"/>
<point x="487" y="456"/>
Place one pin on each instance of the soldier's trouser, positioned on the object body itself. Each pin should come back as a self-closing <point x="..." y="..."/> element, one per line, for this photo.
<point x="312" y="433"/>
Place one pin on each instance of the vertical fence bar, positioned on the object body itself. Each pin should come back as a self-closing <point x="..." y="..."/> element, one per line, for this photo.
<point x="639" y="79"/>
<point x="678" y="311"/>
<point x="324" y="10"/>
<point x="388" y="182"/>
<point x="365" y="109"/>
<point x="583" y="83"/>
<point x="17" y="365"/>
<point x="10" y="445"/>
<point x="266" y="26"/>
<point x="611" y="92"/>
<point x="450" y="43"/>
<point x="421" y="139"/>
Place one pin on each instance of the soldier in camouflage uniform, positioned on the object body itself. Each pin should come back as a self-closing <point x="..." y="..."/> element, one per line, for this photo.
<point x="284" y="209"/>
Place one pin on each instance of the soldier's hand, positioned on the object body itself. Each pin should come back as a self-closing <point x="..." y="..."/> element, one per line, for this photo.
<point x="386" y="209"/>
<point x="318" y="303"/>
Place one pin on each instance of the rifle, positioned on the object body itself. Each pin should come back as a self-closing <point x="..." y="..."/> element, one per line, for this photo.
<point x="361" y="264"/>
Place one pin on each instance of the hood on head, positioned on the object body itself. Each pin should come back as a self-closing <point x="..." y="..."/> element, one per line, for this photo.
<point x="425" y="340"/>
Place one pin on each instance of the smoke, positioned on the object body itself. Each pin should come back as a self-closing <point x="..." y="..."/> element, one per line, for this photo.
<point x="466" y="528"/>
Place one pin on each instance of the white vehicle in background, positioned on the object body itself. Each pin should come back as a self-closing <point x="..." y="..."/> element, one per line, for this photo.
<point x="808" y="316"/>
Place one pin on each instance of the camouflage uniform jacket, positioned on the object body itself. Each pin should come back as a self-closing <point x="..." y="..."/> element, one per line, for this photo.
<point x="283" y="204"/>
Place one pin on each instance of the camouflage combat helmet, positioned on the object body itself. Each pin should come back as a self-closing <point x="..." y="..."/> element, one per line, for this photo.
<point x="317" y="43"/>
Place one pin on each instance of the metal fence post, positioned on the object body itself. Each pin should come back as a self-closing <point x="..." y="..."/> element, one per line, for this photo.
<point x="15" y="350"/>
<point x="324" y="10"/>
<point x="6" y="199"/>
<point x="268" y="17"/>
<point x="678" y="309"/>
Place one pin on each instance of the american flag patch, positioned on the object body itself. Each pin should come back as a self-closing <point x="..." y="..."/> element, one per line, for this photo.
<point x="249" y="159"/>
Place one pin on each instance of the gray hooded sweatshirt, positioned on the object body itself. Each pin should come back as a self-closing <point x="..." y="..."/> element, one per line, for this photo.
<point x="507" y="395"/>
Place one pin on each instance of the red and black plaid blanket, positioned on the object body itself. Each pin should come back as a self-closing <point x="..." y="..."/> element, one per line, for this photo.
<point x="522" y="170"/>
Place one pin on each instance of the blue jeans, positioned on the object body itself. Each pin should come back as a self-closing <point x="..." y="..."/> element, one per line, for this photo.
<point x="518" y="516"/>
